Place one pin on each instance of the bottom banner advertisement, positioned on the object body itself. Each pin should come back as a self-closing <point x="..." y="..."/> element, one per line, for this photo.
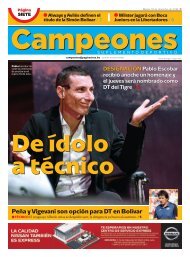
<point x="95" y="236"/>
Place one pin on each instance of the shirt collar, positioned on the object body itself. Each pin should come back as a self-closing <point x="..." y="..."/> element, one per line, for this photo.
<point x="64" y="123"/>
<point x="168" y="204"/>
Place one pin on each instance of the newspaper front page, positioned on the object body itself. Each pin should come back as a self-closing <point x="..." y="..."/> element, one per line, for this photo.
<point x="95" y="129"/>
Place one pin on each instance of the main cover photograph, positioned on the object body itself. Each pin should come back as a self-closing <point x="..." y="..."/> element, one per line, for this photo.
<point x="94" y="132"/>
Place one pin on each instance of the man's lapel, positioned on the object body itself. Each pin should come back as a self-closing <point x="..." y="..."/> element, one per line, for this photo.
<point x="89" y="127"/>
<point x="56" y="128"/>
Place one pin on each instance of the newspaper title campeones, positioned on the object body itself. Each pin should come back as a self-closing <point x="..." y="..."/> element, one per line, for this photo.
<point x="22" y="39"/>
<point x="62" y="145"/>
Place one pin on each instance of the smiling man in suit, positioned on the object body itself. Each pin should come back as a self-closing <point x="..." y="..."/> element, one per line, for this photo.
<point x="75" y="117"/>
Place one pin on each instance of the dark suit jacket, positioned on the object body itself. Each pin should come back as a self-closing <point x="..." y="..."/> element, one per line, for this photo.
<point x="125" y="152"/>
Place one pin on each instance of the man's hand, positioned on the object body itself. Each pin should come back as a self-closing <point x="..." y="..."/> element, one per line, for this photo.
<point x="20" y="156"/>
<point x="145" y="111"/>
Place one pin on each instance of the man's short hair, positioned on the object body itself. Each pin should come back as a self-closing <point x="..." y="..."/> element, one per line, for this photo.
<point x="63" y="77"/>
<point x="164" y="193"/>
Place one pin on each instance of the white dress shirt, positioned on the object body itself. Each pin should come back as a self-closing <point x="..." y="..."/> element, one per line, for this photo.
<point x="75" y="184"/>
